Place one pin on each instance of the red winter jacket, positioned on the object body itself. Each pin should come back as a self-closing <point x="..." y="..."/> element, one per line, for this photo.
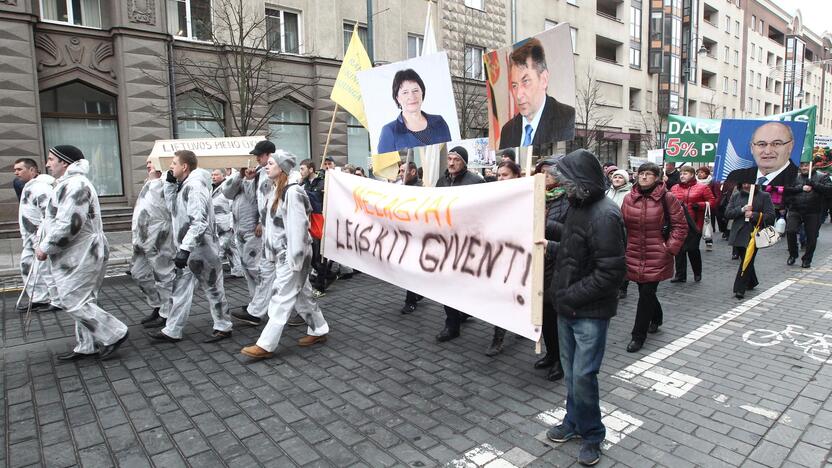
<point x="649" y="257"/>
<point x="694" y="195"/>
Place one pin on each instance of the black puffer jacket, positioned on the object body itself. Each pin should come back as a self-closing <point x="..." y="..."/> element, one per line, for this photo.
<point x="590" y="266"/>
<point x="807" y="202"/>
<point x="465" y="177"/>
<point x="556" y="211"/>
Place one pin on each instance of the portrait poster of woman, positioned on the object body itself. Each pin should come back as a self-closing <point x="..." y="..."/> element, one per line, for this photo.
<point x="531" y="90"/>
<point x="409" y="103"/>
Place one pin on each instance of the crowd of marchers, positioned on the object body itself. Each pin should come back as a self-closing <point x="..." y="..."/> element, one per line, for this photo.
<point x="605" y="228"/>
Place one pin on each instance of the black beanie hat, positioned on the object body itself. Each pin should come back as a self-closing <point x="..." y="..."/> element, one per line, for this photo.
<point x="67" y="153"/>
<point x="263" y="147"/>
<point x="462" y="152"/>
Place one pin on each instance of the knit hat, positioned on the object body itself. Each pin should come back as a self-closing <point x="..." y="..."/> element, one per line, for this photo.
<point x="462" y="152"/>
<point x="285" y="160"/>
<point x="263" y="147"/>
<point x="610" y="169"/>
<point x="67" y="153"/>
<point x="622" y="173"/>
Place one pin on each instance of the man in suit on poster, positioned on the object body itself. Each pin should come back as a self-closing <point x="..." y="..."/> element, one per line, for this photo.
<point x="771" y="145"/>
<point x="541" y="119"/>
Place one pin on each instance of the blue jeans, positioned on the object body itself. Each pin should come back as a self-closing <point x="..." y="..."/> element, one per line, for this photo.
<point x="582" y="343"/>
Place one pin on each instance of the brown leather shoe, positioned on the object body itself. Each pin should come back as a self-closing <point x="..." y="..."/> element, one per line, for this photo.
<point x="256" y="352"/>
<point x="309" y="340"/>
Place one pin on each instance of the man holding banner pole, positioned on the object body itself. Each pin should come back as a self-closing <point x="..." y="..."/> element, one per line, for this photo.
<point x="589" y="268"/>
<point x="457" y="174"/>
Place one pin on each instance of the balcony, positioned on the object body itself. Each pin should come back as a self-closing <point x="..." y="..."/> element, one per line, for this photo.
<point x="608" y="9"/>
<point x="776" y="36"/>
<point x="708" y="79"/>
<point x="606" y="50"/>
<point x="710" y="15"/>
<point x="710" y="46"/>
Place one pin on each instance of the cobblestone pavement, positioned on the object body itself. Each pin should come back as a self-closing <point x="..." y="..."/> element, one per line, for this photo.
<point x="713" y="388"/>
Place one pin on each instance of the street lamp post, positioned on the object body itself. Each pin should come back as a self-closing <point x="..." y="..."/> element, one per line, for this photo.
<point x="686" y="72"/>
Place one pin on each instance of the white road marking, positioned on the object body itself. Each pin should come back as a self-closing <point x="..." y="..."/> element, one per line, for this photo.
<point x="646" y="372"/>
<point x="766" y="413"/>
<point x="618" y="423"/>
<point x="481" y="455"/>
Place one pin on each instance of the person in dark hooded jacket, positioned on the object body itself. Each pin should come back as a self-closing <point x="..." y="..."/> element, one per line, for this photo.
<point x="588" y="271"/>
<point x="805" y="197"/>
<point x="456" y="174"/>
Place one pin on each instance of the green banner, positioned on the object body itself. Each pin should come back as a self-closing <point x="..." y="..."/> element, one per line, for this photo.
<point x="693" y="140"/>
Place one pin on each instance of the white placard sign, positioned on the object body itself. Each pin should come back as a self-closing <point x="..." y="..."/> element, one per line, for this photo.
<point x="222" y="152"/>
<point x="469" y="247"/>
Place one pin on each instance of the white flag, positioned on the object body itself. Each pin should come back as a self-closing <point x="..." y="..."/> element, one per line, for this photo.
<point x="429" y="42"/>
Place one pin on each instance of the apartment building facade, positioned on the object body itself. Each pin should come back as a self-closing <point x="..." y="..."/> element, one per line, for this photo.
<point x="103" y="74"/>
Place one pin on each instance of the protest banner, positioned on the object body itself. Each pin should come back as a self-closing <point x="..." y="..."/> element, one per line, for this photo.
<point x="694" y="140"/>
<point x="437" y="243"/>
<point x="213" y="153"/>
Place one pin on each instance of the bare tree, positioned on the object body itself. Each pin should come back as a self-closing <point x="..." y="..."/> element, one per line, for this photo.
<point x="236" y="70"/>
<point x="655" y="127"/>
<point x="469" y="90"/>
<point x="590" y="112"/>
<point x="711" y="109"/>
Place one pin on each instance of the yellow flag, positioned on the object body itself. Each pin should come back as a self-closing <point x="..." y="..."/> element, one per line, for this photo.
<point x="346" y="92"/>
<point x="386" y="165"/>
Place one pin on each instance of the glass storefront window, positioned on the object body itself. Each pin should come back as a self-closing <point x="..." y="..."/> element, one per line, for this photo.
<point x="358" y="143"/>
<point x="76" y="114"/>
<point x="199" y="116"/>
<point x="289" y="126"/>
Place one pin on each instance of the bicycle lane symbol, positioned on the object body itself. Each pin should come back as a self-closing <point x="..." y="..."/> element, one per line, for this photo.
<point x="815" y="345"/>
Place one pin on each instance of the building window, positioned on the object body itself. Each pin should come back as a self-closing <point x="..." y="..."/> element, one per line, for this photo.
<point x="289" y="124"/>
<point x="415" y="43"/>
<point x="753" y="22"/>
<point x="549" y="24"/>
<point x="478" y="4"/>
<point x="362" y="34"/>
<point x="635" y="24"/>
<point x="635" y="99"/>
<point x="572" y="2"/>
<point x="737" y="28"/>
<point x="473" y="62"/>
<point x="635" y="57"/>
<point x="76" y="114"/>
<point x="77" y="12"/>
<point x="724" y="84"/>
<point x="727" y="54"/>
<point x="752" y="51"/>
<point x="283" y="29"/>
<point x="199" y="116"/>
<point x="192" y="19"/>
<point x="762" y="27"/>
<point x="736" y="58"/>
<point x="735" y="88"/>
<point x="574" y="33"/>
<point x="358" y="143"/>
<point x="727" y="24"/>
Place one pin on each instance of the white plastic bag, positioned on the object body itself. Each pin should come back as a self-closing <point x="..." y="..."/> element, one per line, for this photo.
<point x="707" y="227"/>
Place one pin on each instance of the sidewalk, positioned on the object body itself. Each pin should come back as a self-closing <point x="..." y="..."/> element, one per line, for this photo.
<point x="724" y="383"/>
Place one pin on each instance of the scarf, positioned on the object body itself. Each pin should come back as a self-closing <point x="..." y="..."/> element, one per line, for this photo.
<point x="555" y="193"/>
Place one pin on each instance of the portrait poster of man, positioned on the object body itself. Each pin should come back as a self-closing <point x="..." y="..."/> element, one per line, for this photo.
<point x="409" y="103"/>
<point x="531" y="91"/>
<point x="761" y="152"/>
